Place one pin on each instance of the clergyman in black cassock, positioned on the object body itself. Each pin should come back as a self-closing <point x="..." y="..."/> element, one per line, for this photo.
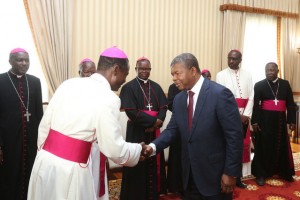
<point x="20" y="113"/>
<point x="140" y="98"/>
<point x="273" y="98"/>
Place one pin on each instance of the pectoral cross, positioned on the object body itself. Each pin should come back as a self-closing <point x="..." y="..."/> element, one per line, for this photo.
<point x="276" y="101"/>
<point x="149" y="106"/>
<point x="27" y="115"/>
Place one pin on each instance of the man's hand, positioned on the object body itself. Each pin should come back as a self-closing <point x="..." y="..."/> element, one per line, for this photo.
<point x="150" y="130"/>
<point x="147" y="151"/>
<point x="227" y="183"/>
<point x="158" y="123"/>
<point x="245" y="119"/>
<point x="292" y="127"/>
<point x="142" y="157"/>
<point x="256" y="128"/>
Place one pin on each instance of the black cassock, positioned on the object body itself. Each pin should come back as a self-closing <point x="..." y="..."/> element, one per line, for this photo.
<point x="273" y="155"/>
<point x="18" y="137"/>
<point x="141" y="181"/>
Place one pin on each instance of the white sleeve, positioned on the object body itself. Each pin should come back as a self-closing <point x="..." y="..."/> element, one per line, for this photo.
<point x="109" y="135"/>
<point x="249" y="107"/>
<point x="45" y="123"/>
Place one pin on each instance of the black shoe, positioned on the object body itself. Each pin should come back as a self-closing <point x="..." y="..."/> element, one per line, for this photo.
<point x="289" y="179"/>
<point x="240" y="184"/>
<point x="260" y="181"/>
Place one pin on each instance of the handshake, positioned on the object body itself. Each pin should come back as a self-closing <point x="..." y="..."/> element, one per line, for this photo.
<point x="146" y="151"/>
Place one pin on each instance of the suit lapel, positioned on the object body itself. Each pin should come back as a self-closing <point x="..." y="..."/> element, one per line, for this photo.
<point x="183" y="109"/>
<point x="200" y="103"/>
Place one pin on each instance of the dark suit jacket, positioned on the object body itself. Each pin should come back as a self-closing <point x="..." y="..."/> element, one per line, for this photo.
<point x="214" y="145"/>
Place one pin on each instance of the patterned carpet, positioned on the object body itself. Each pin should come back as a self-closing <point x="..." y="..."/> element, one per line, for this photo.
<point x="275" y="188"/>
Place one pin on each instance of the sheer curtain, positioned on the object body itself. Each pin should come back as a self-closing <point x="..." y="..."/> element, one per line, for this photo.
<point x="16" y="33"/>
<point x="291" y="61"/>
<point x="260" y="44"/>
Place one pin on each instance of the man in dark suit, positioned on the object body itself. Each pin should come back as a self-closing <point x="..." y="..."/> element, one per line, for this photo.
<point x="210" y="131"/>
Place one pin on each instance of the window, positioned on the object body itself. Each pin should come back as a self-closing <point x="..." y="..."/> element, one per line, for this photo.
<point x="260" y="44"/>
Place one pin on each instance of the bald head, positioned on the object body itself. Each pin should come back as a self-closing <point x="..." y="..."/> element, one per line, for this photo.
<point x="87" y="68"/>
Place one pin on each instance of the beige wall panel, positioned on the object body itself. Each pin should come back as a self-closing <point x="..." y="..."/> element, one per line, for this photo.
<point x="157" y="29"/>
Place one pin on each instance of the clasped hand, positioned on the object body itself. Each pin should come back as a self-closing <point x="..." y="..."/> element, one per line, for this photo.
<point x="256" y="128"/>
<point x="157" y="124"/>
<point x="146" y="151"/>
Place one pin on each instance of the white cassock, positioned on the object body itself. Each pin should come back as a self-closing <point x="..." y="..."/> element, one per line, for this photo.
<point x="85" y="109"/>
<point x="240" y="84"/>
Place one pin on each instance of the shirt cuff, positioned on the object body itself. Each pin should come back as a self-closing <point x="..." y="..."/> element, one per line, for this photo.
<point x="154" y="149"/>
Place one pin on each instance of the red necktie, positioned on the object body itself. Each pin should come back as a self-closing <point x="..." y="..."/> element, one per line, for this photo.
<point x="190" y="109"/>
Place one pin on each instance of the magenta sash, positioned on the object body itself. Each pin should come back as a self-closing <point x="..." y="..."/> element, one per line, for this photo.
<point x="157" y="133"/>
<point x="102" y="174"/>
<point x="68" y="148"/>
<point x="242" y="103"/>
<point x="270" y="105"/>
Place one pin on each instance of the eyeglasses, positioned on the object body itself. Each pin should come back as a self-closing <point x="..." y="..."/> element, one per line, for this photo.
<point x="144" y="69"/>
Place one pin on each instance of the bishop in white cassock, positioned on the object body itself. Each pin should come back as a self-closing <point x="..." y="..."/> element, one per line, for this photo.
<point x="239" y="81"/>
<point x="81" y="111"/>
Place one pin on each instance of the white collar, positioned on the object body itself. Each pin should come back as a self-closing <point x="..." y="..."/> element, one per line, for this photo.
<point x="18" y="76"/>
<point x="100" y="78"/>
<point x="145" y="81"/>
<point x="275" y="80"/>
<point x="196" y="88"/>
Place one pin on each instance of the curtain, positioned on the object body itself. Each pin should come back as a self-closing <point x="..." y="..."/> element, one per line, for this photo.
<point x="291" y="61"/>
<point x="287" y="12"/>
<point x="51" y="25"/>
<point x="232" y="33"/>
<point x="260" y="45"/>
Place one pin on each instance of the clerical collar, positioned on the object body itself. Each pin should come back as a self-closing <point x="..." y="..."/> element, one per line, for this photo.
<point x="18" y="76"/>
<point x="275" y="80"/>
<point x="144" y="81"/>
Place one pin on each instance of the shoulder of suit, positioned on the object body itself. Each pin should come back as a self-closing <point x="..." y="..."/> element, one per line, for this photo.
<point x="213" y="85"/>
